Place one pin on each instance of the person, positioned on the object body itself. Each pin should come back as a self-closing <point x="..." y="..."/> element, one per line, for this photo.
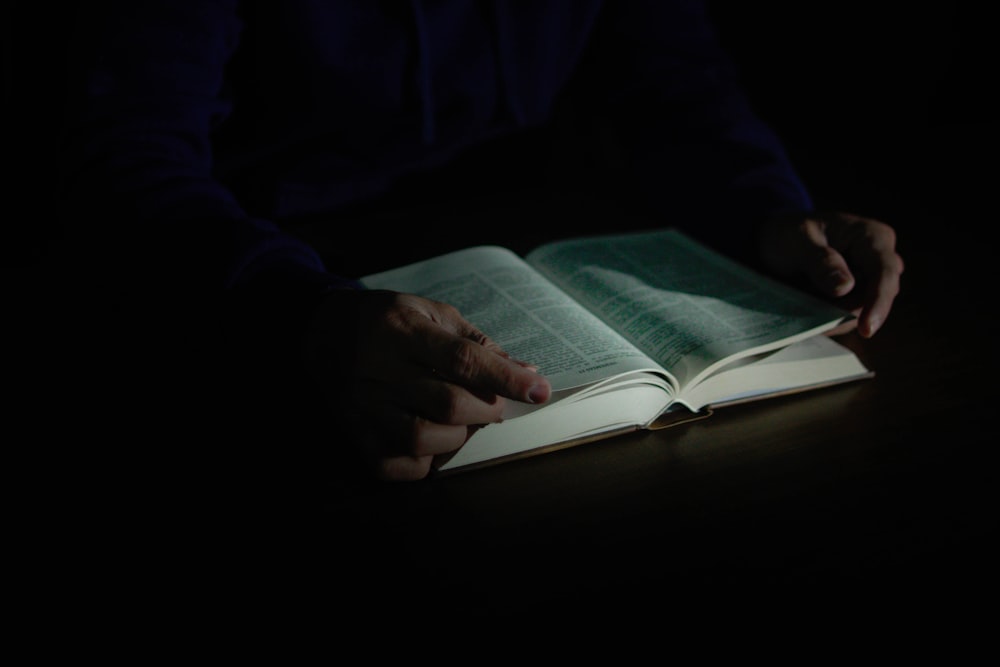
<point x="230" y="167"/>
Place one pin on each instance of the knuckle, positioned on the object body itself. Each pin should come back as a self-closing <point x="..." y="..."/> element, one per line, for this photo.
<point x="448" y="310"/>
<point x="466" y="358"/>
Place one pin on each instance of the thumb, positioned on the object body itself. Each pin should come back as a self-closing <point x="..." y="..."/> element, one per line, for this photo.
<point x="827" y="269"/>
<point x="804" y="249"/>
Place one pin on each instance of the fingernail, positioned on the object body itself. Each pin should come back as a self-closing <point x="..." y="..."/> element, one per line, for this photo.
<point x="537" y="394"/>
<point x="873" y="324"/>
<point x="837" y="279"/>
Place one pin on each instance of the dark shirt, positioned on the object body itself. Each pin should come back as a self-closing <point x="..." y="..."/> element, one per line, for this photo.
<point x="198" y="128"/>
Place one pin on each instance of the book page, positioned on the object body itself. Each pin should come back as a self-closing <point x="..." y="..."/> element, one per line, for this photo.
<point x="688" y="307"/>
<point x="616" y="407"/>
<point x="813" y="362"/>
<point x="523" y="312"/>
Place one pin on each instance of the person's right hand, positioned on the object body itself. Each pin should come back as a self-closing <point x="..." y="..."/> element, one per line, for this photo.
<point x="416" y="377"/>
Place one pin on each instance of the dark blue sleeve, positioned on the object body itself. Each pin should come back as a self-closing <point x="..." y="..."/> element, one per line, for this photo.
<point x="148" y="91"/>
<point x="690" y="140"/>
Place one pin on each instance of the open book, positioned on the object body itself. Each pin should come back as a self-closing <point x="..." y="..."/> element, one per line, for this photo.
<point x="634" y="331"/>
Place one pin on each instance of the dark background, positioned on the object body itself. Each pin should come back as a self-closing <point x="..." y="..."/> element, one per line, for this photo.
<point x="878" y="101"/>
<point x="884" y="107"/>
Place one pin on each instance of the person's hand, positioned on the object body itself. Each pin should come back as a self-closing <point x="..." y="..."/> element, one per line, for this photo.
<point x="845" y="257"/>
<point x="413" y="378"/>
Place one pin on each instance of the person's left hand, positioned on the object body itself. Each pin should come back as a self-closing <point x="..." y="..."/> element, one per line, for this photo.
<point x="845" y="257"/>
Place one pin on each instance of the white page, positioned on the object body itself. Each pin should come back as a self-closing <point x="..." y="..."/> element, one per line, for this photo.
<point x="525" y="314"/>
<point x="687" y="307"/>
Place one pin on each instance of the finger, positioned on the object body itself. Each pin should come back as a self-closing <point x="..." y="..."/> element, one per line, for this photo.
<point x="411" y="468"/>
<point x="524" y="364"/>
<point x="404" y="468"/>
<point x="843" y="328"/>
<point x="400" y="446"/>
<point x="485" y="372"/>
<point x="871" y="248"/>
<point x="468" y="357"/>
<point x="431" y="397"/>
<point x="413" y="432"/>
<point x="824" y="266"/>
<point x="881" y="294"/>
